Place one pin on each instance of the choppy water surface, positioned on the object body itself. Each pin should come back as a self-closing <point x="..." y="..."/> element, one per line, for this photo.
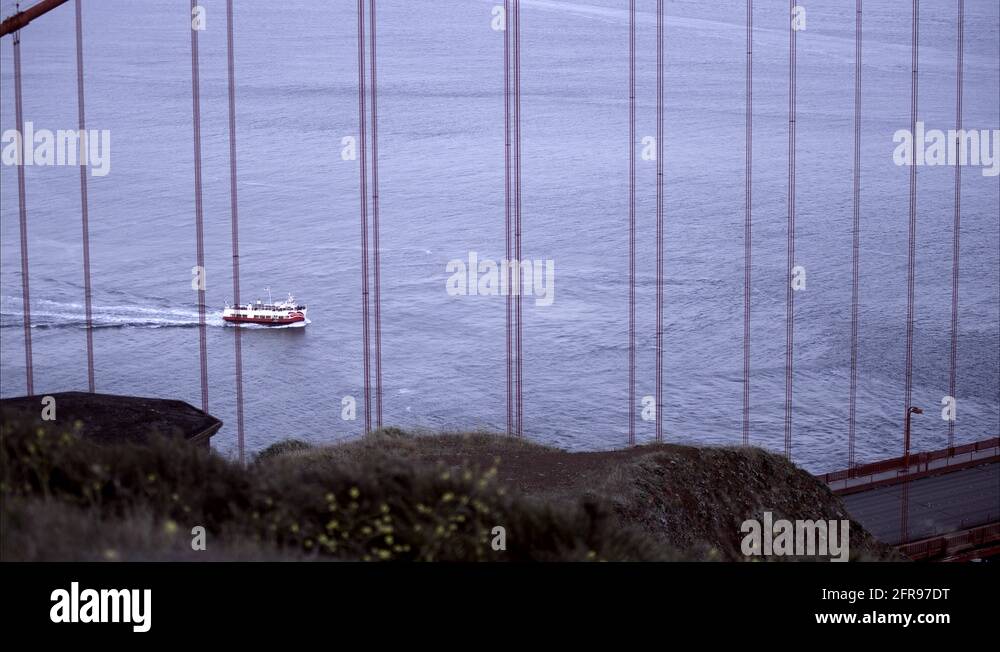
<point x="441" y="152"/>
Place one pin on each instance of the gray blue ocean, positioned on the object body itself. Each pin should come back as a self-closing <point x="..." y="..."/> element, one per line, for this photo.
<point x="441" y="153"/>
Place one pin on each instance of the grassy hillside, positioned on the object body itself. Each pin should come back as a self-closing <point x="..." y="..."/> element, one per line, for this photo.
<point x="394" y="496"/>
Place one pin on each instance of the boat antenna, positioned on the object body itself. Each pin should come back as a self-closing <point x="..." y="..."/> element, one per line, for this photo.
<point x="269" y="301"/>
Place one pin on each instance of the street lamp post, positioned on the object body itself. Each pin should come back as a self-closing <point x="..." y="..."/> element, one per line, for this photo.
<point x="904" y="524"/>
<point x="906" y="436"/>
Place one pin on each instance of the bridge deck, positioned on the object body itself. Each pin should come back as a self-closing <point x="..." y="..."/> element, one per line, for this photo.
<point x="938" y="504"/>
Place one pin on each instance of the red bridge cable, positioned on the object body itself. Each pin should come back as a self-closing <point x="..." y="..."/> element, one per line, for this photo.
<point x="507" y="211"/>
<point x="856" y="245"/>
<point x="517" y="208"/>
<point x="362" y="148"/>
<point x="23" y="219"/>
<point x="789" y="291"/>
<point x="659" y="219"/>
<point x="956" y="229"/>
<point x="631" y="224"/>
<point x="235" y="222"/>
<point x="377" y="299"/>
<point x="747" y="228"/>
<point x="199" y="213"/>
<point x="910" y="267"/>
<point x="87" y="293"/>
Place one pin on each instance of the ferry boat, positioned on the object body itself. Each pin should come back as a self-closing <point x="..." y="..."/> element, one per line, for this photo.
<point x="285" y="313"/>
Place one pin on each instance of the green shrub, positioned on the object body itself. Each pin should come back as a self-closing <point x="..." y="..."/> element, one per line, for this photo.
<point x="319" y="504"/>
<point x="282" y="447"/>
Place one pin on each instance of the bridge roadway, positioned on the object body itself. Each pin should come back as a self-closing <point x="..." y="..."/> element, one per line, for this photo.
<point x="937" y="504"/>
<point x="953" y="500"/>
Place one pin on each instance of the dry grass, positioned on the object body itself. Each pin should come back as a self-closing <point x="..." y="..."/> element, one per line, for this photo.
<point x="396" y="496"/>
<point x="691" y="499"/>
<point x="360" y="505"/>
<point x="48" y="530"/>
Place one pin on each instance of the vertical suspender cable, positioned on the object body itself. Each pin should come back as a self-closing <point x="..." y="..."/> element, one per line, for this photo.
<point x="856" y="244"/>
<point x="789" y="291"/>
<point x="517" y="208"/>
<point x="23" y="217"/>
<point x="235" y="221"/>
<point x="659" y="219"/>
<point x="363" y="148"/>
<point x="911" y="262"/>
<point x="84" y="217"/>
<point x="748" y="227"/>
<point x="955" y="251"/>
<point x="631" y="224"/>
<point x="199" y="213"/>
<point x="507" y="212"/>
<point x="377" y="283"/>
